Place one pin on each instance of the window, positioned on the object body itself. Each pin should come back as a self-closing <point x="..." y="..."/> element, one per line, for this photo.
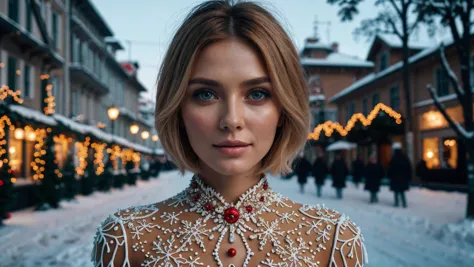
<point x="75" y="103"/>
<point x="11" y="74"/>
<point x="13" y="10"/>
<point x="442" y="82"/>
<point x="27" y="90"/>
<point x="395" y="97"/>
<point x="431" y="152"/>
<point x="375" y="99"/>
<point x="15" y="152"/>
<point x="55" y="29"/>
<point x="383" y="60"/>
<point x="365" y="109"/>
<point x="29" y="16"/>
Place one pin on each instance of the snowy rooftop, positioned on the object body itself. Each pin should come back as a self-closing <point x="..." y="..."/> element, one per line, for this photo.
<point x="33" y="114"/>
<point x="338" y="60"/>
<point x="374" y="76"/>
<point x="395" y="42"/>
<point x="317" y="45"/>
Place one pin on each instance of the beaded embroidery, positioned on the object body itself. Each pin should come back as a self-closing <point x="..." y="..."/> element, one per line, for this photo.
<point x="189" y="229"/>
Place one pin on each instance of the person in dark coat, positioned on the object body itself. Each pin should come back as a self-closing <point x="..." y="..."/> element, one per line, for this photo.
<point x="399" y="173"/>
<point x="421" y="170"/>
<point x="357" y="171"/>
<point x="339" y="174"/>
<point x="302" y="170"/>
<point x="320" y="171"/>
<point x="374" y="173"/>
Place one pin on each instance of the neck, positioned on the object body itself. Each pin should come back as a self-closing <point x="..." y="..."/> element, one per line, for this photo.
<point x="230" y="187"/>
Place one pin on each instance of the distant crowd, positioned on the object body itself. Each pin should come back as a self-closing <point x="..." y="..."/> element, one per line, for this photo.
<point x="399" y="173"/>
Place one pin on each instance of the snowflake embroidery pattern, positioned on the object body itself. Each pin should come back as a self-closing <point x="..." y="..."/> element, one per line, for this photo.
<point x="138" y="230"/>
<point x="267" y="231"/>
<point x="193" y="232"/>
<point x="286" y="217"/>
<point x="293" y="252"/>
<point x="172" y="218"/>
<point x="179" y="200"/>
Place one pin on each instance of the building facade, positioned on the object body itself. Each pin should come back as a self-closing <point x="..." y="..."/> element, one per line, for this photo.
<point x="61" y="56"/>
<point x="434" y="141"/>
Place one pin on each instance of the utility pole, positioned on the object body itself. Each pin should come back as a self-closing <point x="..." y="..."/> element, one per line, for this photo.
<point x="316" y="24"/>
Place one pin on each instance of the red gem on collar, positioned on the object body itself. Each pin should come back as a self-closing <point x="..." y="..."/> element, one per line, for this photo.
<point x="209" y="207"/>
<point x="231" y="215"/>
<point x="249" y="208"/>
<point x="265" y="186"/>
<point x="196" y="197"/>
<point x="231" y="252"/>
<point x="262" y="198"/>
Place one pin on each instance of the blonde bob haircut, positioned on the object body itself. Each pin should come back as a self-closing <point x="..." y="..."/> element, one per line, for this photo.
<point x="210" y="22"/>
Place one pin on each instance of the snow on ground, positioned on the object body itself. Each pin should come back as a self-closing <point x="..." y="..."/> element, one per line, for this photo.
<point x="430" y="232"/>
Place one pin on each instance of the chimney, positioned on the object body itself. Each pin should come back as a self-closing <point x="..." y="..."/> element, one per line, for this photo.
<point x="335" y="47"/>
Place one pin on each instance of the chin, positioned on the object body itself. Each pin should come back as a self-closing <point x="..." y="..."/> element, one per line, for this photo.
<point x="232" y="167"/>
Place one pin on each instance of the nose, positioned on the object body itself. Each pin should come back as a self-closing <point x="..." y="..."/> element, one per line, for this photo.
<point x="232" y="115"/>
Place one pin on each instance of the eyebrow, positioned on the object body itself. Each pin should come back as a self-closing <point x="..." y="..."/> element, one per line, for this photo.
<point x="209" y="82"/>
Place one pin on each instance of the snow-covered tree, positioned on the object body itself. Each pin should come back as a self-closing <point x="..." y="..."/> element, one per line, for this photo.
<point x="457" y="15"/>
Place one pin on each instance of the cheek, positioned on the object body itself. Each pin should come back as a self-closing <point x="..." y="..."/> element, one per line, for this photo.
<point x="197" y="122"/>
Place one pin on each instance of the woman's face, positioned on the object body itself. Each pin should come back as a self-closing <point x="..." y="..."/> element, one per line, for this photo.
<point x="230" y="111"/>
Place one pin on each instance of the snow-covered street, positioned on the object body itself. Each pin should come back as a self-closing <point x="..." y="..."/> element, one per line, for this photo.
<point x="431" y="232"/>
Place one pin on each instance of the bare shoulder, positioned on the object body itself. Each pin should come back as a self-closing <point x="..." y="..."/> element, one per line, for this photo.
<point x="128" y="230"/>
<point x="335" y="233"/>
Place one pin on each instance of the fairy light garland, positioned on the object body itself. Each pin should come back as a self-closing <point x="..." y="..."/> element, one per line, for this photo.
<point x="99" y="157"/>
<point x="49" y="100"/>
<point x="4" y="121"/>
<point x="5" y="91"/>
<point x="82" y="153"/>
<point x="38" y="165"/>
<point x="115" y="153"/>
<point x="329" y="127"/>
<point x="136" y="159"/>
<point x="59" y="142"/>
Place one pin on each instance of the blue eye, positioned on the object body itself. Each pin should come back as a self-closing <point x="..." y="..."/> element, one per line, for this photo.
<point x="259" y="94"/>
<point x="203" y="95"/>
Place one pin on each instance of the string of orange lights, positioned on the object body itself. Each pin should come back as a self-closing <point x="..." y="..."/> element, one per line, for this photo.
<point x="329" y="127"/>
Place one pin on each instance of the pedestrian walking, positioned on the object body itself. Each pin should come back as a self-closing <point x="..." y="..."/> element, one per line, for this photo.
<point x="320" y="171"/>
<point x="357" y="171"/>
<point x="339" y="174"/>
<point x="302" y="170"/>
<point x="374" y="173"/>
<point x="399" y="173"/>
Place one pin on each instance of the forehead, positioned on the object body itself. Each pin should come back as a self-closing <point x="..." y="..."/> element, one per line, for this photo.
<point x="229" y="58"/>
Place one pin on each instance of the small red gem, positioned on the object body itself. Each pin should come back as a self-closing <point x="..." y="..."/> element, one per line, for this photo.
<point x="196" y="197"/>
<point x="209" y="207"/>
<point x="249" y="208"/>
<point x="8" y="215"/>
<point x="231" y="252"/>
<point x="1" y="182"/>
<point x="231" y="215"/>
<point x="262" y="199"/>
<point x="265" y="186"/>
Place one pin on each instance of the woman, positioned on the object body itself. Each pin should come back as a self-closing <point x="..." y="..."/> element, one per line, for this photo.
<point x="232" y="104"/>
<point x="374" y="173"/>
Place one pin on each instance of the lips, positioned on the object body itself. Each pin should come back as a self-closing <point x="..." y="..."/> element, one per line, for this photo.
<point x="232" y="147"/>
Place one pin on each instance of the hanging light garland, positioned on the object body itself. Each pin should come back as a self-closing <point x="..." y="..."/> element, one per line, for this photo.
<point x="82" y="153"/>
<point x="49" y="100"/>
<point x="60" y="141"/>
<point x="5" y="91"/>
<point x="136" y="159"/>
<point x="329" y="127"/>
<point x="115" y="153"/>
<point x="38" y="164"/>
<point x="99" y="157"/>
<point x="4" y="121"/>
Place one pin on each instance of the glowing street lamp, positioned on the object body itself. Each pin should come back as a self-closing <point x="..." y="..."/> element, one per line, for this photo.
<point x="113" y="113"/>
<point x="155" y="138"/>
<point x="134" y="129"/>
<point x="145" y="135"/>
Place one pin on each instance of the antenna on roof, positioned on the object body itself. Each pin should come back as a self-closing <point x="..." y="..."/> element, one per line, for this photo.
<point x="316" y="26"/>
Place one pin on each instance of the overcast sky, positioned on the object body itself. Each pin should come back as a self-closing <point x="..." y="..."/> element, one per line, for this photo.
<point x="151" y="23"/>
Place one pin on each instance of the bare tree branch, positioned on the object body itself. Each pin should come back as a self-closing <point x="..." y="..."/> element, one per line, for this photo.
<point x="394" y="26"/>
<point x="452" y="77"/>
<point x="397" y="9"/>
<point x="461" y="132"/>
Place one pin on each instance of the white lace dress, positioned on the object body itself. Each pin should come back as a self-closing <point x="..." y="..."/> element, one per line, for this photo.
<point x="199" y="228"/>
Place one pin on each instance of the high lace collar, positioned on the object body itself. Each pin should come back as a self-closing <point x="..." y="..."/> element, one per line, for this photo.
<point x="202" y="189"/>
